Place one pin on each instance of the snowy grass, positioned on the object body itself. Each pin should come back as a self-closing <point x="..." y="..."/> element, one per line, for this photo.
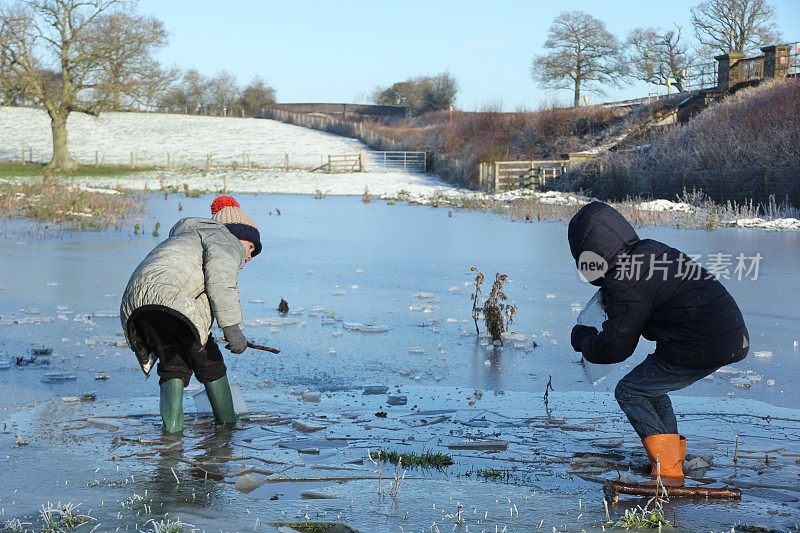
<point x="210" y="154"/>
<point x="188" y="139"/>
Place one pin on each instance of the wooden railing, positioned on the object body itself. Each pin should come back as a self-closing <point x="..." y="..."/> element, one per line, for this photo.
<point x="502" y="176"/>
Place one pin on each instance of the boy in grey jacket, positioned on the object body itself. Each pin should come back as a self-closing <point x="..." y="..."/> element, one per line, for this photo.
<point x="184" y="283"/>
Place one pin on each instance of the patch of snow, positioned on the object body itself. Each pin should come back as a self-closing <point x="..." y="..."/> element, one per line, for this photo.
<point x="782" y="224"/>
<point x="748" y="222"/>
<point x="779" y="224"/>
<point x="665" y="205"/>
<point x="97" y="190"/>
<point x="561" y="198"/>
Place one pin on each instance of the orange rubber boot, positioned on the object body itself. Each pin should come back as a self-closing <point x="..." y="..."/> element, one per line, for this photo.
<point x="683" y="448"/>
<point x="664" y="451"/>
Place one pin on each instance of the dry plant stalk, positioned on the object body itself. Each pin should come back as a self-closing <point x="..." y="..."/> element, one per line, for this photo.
<point x="476" y="311"/>
<point x="497" y="316"/>
<point x="547" y="389"/>
<point x="377" y="462"/>
<point x="398" y="478"/>
<point x="493" y="308"/>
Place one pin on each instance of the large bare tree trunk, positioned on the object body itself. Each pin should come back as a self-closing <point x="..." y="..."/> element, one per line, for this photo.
<point x="61" y="158"/>
<point x="577" y="94"/>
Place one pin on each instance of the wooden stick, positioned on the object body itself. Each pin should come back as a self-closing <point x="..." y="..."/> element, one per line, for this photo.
<point x="254" y="346"/>
<point x="262" y="348"/>
<point x="613" y="489"/>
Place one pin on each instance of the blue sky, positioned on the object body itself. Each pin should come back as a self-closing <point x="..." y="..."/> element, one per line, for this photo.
<point x="340" y="50"/>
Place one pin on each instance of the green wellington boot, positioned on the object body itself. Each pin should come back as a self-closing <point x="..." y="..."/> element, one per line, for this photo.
<point x="219" y="395"/>
<point x="172" y="405"/>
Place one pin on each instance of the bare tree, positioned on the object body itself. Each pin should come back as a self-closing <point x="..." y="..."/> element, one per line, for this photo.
<point x="584" y="56"/>
<point x="723" y="26"/>
<point x="152" y="83"/>
<point x="256" y="96"/>
<point x="51" y="47"/>
<point x="658" y="57"/>
<point x="195" y="88"/>
<point x="224" y="92"/>
<point x="126" y="41"/>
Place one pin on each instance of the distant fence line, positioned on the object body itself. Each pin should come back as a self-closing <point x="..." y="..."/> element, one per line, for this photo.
<point x="347" y="128"/>
<point x="366" y="110"/>
<point x="363" y="161"/>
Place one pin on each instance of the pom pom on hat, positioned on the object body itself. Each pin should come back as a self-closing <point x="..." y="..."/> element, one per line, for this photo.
<point x="226" y="210"/>
<point x="221" y="202"/>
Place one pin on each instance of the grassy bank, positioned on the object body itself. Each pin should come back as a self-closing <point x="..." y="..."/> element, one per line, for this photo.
<point x="743" y="147"/>
<point x="54" y="200"/>
<point x="27" y="170"/>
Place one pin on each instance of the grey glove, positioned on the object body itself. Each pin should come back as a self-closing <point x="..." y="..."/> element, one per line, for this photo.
<point x="237" y="343"/>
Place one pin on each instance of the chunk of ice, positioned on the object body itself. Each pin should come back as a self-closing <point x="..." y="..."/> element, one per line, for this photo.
<point x="373" y="328"/>
<point x="397" y="400"/>
<point x="311" y="397"/>
<point x="59" y="377"/>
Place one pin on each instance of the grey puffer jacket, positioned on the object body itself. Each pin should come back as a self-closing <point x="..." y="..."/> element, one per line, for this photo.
<point x="192" y="274"/>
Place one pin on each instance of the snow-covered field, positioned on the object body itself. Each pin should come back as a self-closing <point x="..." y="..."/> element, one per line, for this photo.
<point x="188" y="141"/>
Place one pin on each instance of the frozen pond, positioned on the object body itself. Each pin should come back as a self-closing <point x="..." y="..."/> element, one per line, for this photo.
<point x="342" y="264"/>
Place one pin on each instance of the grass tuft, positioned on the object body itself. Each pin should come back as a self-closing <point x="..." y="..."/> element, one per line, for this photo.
<point x="493" y="474"/>
<point x="306" y="527"/>
<point x="62" y="517"/>
<point x="167" y="526"/>
<point x="424" y="460"/>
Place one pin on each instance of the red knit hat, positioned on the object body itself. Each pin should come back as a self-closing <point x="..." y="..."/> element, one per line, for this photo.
<point x="221" y="202"/>
<point x="226" y="210"/>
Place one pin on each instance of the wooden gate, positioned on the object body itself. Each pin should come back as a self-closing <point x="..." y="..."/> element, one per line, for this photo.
<point x="502" y="176"/>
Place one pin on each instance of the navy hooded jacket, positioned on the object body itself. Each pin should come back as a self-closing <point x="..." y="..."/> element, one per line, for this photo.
<point x="657" y="292"/>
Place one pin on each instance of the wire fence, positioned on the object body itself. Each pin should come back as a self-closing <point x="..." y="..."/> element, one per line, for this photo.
<point x="368" y="161"/>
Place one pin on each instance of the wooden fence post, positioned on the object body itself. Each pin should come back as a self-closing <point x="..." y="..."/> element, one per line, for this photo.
<point x="286" y="162"/>
<point x="361" y="161"/>
<point x="30" y="154"/>
<point x="496" y="177"/>
<point x="133" y="159"/>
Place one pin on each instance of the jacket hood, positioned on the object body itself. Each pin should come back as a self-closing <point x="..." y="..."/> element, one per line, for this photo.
<point x="192" y="224"/>
<point x="601" y="229"/>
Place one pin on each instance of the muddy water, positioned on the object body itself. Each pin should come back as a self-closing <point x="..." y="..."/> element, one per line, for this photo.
<point x="342" y="265"/>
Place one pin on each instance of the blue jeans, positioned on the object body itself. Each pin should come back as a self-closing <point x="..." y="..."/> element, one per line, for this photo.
<point x="642" y="394"/>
